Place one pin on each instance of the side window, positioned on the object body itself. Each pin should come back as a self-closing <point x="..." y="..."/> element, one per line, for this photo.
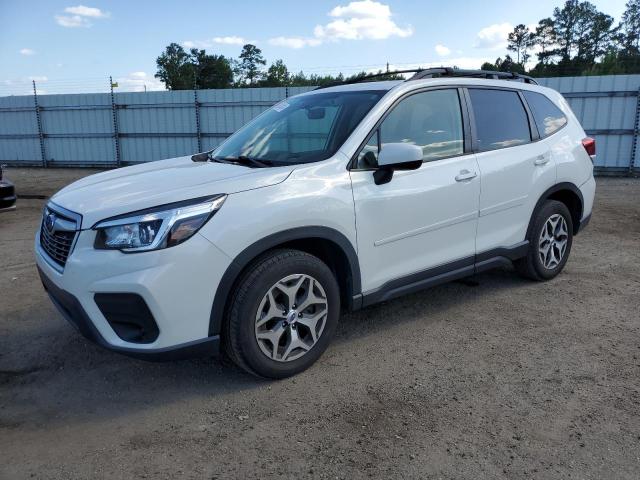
<point x="501" y="120"/>
<point x="432" y="120"/>
<point x="549" y="118"/>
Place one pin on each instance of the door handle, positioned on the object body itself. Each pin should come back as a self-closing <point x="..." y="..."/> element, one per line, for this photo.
<point x="542" y="160"/>
<point x="465" y="175"/>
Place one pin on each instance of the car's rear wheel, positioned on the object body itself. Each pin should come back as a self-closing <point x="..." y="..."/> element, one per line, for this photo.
<point x="550" y="239"/>
<point x="283" y="314"/>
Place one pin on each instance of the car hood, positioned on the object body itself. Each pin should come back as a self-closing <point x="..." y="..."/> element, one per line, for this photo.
<point x="128" y="189"/>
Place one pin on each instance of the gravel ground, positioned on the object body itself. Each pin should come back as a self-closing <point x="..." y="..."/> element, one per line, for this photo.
<point x="497" y="377"/>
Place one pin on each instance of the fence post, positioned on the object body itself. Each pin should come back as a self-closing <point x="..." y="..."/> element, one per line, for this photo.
<point x="116" y="132"/>
<point x="196" y="105"/>
<point x="43" y="155"/>
<point x="636" y="131"/>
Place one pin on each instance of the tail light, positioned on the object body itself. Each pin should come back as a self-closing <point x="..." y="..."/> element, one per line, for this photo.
<point x="589" y="145"/>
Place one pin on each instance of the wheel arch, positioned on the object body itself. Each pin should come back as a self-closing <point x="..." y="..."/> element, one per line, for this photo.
<point x="567" y="193"/>
<point x="328" y="244"/>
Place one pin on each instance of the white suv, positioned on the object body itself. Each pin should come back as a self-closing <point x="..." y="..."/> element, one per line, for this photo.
<point x="332" y="200"/>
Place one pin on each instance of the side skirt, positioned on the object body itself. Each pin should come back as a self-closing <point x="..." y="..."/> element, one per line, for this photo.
<point x="442" y="274"/>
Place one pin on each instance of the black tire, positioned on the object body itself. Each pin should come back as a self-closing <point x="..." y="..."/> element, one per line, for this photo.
<point x="239" y="332"/>
<point x="531" y="266"/>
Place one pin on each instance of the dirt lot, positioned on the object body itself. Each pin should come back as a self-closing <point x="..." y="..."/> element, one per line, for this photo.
<point x="502" y="378"/>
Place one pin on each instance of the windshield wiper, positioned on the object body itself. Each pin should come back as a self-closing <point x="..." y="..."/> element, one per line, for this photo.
<point x="244" y="160"/>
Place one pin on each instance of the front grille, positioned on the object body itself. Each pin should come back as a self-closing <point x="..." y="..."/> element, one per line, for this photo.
<point x="57" y="234"/>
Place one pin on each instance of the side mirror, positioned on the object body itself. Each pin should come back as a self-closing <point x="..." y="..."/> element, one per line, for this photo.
<point x="396" y="156"/>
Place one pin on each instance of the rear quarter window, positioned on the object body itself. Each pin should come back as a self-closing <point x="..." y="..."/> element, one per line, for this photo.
<point x="549" y="118"/>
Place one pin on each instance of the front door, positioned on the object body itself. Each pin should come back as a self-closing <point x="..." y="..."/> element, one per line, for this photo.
<point x="423" y="218"/>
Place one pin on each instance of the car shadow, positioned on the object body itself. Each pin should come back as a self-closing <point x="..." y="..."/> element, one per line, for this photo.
<point x="51" y="373"/>
<point x="427" y="305"/>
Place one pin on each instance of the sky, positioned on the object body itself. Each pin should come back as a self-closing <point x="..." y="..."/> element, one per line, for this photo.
<point x="69" y="47"/>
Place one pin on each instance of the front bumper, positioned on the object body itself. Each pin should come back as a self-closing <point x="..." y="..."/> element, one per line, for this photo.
<point x="71" y="309"/>
<point x="177" y="284"/>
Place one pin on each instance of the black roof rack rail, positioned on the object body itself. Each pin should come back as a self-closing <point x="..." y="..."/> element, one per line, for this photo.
<point x="455" y="72"/>
<point x="362" y="78"/>
<point x="420" y="73"/>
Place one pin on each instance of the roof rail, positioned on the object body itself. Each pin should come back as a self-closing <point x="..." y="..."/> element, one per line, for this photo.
<point x="455" y="72"/>
<point x="362" y="78"/>
<point x="420" y="73"/>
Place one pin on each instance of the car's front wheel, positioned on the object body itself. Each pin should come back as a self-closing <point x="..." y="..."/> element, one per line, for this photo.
<point x="283" y="314"/>
<point x="550" y="239"/>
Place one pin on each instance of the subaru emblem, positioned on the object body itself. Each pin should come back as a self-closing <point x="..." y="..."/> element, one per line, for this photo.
<point x="50" y="221"/>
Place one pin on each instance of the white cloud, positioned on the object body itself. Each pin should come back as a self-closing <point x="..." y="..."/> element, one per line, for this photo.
<point x="494" y="36"/>
<point x="37" y="78"/>
<point x="211" y="42"/>
<point x="294" y="42"/>
<point x="72" y="21"/>
<point x="27" y="51"/>
<point x="442" y="51"/>
<point x="232" y="40"/>
<point x="362" y="9"/>
<point x="359" y="20"/>
<point x="87" y="11"/>
<point x="79" y="16"/>
<point x="138" y="82"/>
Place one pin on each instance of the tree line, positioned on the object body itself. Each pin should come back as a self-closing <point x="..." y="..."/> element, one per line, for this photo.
<point x="180" y="69"/>
<point x="577" y="39"/>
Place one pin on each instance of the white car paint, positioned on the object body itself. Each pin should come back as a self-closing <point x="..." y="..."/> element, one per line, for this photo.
<point x="420" y="219"/>
<point x="155" y="183"/>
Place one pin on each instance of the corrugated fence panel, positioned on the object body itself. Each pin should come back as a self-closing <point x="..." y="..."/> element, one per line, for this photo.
<point x="156" y="125"/>
<point x="607" y="108"/>
<point x="79" y="129"/>
<point x="222" y="112"/>
<point x="19" y="141"/>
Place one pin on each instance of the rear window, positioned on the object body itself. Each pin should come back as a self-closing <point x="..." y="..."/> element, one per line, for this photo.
<point x="549" y="118"/>
<point x="501" y="120"/>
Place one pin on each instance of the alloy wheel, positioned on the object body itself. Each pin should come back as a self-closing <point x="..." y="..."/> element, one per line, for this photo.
<point x="291" y="317"/>
<point x="552" y="244"/>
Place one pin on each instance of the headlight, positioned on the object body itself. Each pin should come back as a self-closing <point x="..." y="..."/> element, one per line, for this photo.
<point x="155" y="228"/>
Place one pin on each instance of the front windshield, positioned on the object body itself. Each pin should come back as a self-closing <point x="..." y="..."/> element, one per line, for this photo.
<point x="301" y="129"/>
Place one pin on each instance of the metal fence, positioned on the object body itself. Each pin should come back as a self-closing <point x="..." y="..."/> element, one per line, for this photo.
<point x="113" y="129"/>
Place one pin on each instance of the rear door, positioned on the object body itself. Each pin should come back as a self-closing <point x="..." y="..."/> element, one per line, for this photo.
<point x="515" y="167"/>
